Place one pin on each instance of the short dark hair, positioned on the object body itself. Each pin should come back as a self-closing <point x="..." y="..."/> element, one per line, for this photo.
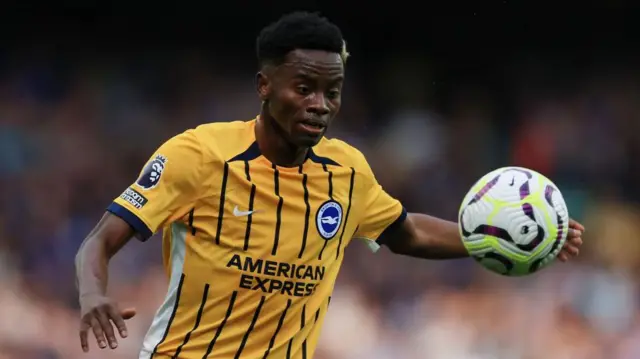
<point x="298" y="30"/>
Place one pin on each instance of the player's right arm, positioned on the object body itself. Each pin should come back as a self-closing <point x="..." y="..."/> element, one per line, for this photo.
<point x="165" y="191"/>
<point x="92" y="259"/>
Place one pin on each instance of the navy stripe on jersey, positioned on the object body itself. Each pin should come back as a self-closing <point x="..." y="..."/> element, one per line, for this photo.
<point x="254" y="152"/>
<point x="302" y="324"/>
<point x="191" y="214"/>
<point x="138" y="226"/>
<point x="222" y="324"/>
<point x="322" y="160"/>
<point x="253" y="323"/>
<point x="225" y="174"/>
<point x="252" y="195"/>
<point x="306" y="215"/>
<point x="324" y="167"/>
<point x="249" y="154"/>
<point x="247" y="172"/>
<point x="330" y="179"/>
<point x="173" y="315"/>
<point x="195" y="326"/>
<point x="289" y="348"/>
<point x="276" y="237"/>
<point x="272" y="342"/>
<point x="346" y="216"/>
<point x="304" y="344"/>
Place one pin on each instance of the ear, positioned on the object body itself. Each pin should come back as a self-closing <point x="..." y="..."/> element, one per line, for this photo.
<point x="263" y="85"/>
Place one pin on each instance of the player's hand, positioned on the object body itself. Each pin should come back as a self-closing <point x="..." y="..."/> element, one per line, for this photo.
<point x="574" y="241"/>
<point x="98" y="313"/>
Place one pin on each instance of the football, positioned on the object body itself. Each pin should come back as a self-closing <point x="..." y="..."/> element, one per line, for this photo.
<point x="514" y="221"/>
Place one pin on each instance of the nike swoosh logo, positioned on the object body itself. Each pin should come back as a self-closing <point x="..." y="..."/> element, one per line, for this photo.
<point x="239" y="213"/>
<point x="513" y="180"/>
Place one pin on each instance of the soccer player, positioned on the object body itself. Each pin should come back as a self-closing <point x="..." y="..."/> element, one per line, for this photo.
<point x="256" y="216"/>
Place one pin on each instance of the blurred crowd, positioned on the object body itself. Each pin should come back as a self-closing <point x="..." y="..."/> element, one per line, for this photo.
<point x="73" y="136"/>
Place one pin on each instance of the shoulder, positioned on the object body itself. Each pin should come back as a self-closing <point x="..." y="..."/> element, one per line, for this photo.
<point x="344" y="154"/>
<point x="223" y="140"/>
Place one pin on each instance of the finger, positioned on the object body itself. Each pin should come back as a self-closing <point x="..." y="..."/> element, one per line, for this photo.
<point x="572" y="242"/>
<point x="563" y="256"/>
<point x="576" y="225"/>
<point x="107" y="328"/>
<point x="571" y="250"/>
<point x="97" y="331"/>
<point x="84" y="333"/>
<point x="128" y="313"/>
<point x="574" y="233"/>
<point x="575" y="241"/>
<point x="118" y="321"/>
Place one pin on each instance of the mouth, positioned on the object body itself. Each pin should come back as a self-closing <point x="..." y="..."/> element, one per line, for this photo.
<point x="312" y="126"/>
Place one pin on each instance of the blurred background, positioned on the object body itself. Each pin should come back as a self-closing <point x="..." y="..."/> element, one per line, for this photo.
<point x="435" y="98"/>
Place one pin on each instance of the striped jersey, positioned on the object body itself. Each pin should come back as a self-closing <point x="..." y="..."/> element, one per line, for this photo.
<point x="251" y="249"/>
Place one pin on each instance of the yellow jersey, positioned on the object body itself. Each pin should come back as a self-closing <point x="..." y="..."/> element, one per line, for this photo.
<point x="251" y="249"/>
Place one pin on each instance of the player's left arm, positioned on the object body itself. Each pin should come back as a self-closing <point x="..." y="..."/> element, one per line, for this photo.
<point x="386" y="222"/>
<point x="424" y="236"/>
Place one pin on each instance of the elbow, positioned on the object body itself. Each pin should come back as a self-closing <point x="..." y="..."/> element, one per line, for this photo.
<point x="81" y="253"/>
<point x="78" y="257"/>
<point x="93" y="247"/>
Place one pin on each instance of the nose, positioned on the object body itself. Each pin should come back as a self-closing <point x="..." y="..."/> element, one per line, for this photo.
<point x="318" y="104"/>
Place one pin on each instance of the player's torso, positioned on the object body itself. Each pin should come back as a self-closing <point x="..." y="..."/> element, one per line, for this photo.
<point x="262" y="249"/>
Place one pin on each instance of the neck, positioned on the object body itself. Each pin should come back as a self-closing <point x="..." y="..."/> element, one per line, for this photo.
<point x="274" y="145"/>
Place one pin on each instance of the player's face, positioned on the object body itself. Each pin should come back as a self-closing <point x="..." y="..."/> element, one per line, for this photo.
<point x="304" y="94"/>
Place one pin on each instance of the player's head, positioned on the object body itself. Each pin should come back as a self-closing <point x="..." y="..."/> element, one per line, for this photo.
<point x="302" y="58"/>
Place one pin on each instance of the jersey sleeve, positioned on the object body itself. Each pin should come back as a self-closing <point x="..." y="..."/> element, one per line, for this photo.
<point x="381" y="213"/>
<point x="166" y="187"/>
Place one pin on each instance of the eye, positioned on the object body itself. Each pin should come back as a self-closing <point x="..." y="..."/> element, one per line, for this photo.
<point x="302" y="90"/>
<point x="333" y="94"/>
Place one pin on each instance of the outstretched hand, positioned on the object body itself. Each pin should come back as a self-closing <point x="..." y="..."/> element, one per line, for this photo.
<point x="98" y="313"/>
<point x="573" y="243"/>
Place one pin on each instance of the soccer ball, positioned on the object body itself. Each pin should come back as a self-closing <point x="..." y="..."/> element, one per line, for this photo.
<point x="514" y="221"/>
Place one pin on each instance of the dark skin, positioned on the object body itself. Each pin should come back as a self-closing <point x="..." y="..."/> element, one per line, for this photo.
<point x="306" y="88"/>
